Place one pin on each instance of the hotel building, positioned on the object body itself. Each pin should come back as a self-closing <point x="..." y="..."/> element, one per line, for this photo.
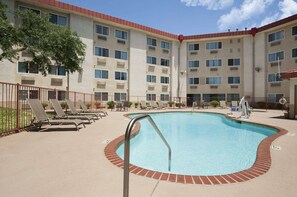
<point x="129" y="61"/>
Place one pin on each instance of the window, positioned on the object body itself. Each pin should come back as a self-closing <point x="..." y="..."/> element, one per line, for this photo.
<point x="151" y="97"/>
<point x="211" y="97"/>
<point x="193" y="47"/>
<point x="120" y="55"/>
<point x="53" y="95"/>
<point x="233" y="97"/>
<point x="294" y="30"/>
<point x="294" y="52"/>
<point x="101" y="52"/>
<point x="101" y="96"/>
<point x="214" y="45"/>
<point x="193" y="63"/>
<point x="164" y="79"/>
<point x="193" y="80"/>
<point x="151" y="78"/>
<point x="102" y="30"/>
<point x="151" y="60"/>
<point x="58" y="19"/>
<point x="32" y="94"/>
<point x="274" y="77"/>
<point x="213" y="80"/>
<point x="23" y="8"/>
<point x="151" y="42"/>
<point x="234" y="62"/>
<point x="120" y="96"/>
<point x="213" y="63"/>
<point x="164" y="62"/>
<point x="121" y="34"/>
<point x="120" y="76"/>
<point x="275" y="36"/>
<point x="276" y="56"/>
<point x="233" y="80"/>
<point x="274" y="98"/>
<point x="26" y="68"/>
<point x="101" y="74"/>
<point x="164" y="97"/>
<point x="57" y="70"/>
<point x="165" y="45"/>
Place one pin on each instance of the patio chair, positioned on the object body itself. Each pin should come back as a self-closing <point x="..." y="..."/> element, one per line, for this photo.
<point x="73" y="111"/>
<point x="234" y="106"/>
<point x="86" y="110"/>
<point x="61" y="114"/>
<point x="41" y="117"/>
<point x="143" y="105"/>
<point x="223" y="104"/>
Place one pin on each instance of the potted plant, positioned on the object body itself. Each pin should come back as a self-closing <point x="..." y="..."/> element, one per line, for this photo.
<point x="97" y="104"/>
<point x="136" y="105"/>
<point x="88" y="105"/>
<point x="170" y="103"/>
<point x="63" y="104"/>
<point x="44" y="104"/>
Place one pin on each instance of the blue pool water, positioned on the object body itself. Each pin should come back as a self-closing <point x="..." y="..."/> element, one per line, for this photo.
<point x="201" y="143"/>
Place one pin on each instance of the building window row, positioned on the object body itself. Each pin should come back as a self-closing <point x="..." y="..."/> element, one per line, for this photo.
<point x="275" y="36"/>
<point x="153" y="60"/>
<point x="275" y="77"/>
<point x="103" y="74"/>
<point x="213" y="45"/>
<point x="153" y="97"/>
<point x="153" y="43"/>
<point x="103" y="52"/>
<point x="213" y="63"/>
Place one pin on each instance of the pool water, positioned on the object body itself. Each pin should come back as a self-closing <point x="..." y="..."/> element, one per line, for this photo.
<point x="201" y="143"/>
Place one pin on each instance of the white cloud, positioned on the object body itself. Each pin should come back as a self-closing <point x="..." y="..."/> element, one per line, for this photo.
<point x="249" y="9"/>
<point x="288" y="8"/>
<point x="270" y="19"/>
<point x="210" y="4"/>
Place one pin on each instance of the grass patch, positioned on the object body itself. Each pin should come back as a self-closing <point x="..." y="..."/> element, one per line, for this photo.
<point x="8" y="118"/>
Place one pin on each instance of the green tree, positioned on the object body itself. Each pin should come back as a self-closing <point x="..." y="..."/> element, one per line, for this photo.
<point x="7" y="36"/>
<point x="46" y="43"/>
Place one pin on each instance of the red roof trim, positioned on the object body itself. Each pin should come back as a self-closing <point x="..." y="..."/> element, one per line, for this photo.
<point x="91" y="13"/>
<point x="278" y="23"/>
<point x="215" y="35"/>
<point x="289" y="74"/>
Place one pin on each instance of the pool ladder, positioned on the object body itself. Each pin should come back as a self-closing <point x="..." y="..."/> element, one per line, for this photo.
<point x="127" y="149"/>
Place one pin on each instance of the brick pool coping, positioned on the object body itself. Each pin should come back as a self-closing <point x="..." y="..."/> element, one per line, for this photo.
<point x="260" y="167"/>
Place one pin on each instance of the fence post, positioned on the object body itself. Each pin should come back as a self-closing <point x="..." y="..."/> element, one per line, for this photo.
<point x="17" y="107"/>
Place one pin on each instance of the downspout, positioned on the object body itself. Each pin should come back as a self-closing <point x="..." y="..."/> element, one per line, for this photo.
<point x="254" y="32"/>
<point x="180" y="38"/>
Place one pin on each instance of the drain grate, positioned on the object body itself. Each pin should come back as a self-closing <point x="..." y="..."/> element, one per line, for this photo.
<point x="106" y="141"/>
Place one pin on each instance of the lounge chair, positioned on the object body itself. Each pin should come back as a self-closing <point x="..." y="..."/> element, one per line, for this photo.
<point x="75" y="112"/>
<point x="61" y="114"/>
<point x="41" y="117"/>
<point x="154" y="105"/>
<point x="86" y="110"/>
<point x="144" y="106"/>
<point x="161" y="105"/>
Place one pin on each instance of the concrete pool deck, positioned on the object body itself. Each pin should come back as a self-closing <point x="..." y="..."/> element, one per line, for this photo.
<point x="71" y="163"/>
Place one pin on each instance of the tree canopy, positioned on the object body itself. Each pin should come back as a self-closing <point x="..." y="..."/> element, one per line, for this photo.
<point x="46" y="43"/>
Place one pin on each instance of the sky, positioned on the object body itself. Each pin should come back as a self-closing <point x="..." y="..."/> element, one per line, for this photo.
<point x="192" y="17"/>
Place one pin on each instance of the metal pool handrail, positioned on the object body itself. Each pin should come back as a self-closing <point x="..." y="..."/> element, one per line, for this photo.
<point x="127" y="149"/>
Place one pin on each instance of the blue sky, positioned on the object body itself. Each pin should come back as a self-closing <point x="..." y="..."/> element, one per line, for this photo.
<point x="191" y="17"/>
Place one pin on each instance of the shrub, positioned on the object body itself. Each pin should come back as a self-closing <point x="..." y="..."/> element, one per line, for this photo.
<point x="261" y="105"/>
<point x="44" y="104"/>
<point x="110" y="104"/>
<point x="214" y="103"/>
<point x="88" y="105"/>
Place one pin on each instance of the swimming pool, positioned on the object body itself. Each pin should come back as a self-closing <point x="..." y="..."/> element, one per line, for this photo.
<point x="203" y="144"/>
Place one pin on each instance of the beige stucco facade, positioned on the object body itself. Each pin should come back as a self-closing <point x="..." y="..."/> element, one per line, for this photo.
<point x="251" y="50"/>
